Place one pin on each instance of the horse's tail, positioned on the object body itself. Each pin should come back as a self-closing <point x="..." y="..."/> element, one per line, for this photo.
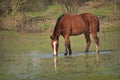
<point x="98" y="27"/>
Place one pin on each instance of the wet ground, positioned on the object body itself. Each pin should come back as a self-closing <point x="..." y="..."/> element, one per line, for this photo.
<point x="28" y="56"/>
<point x="36" y="66"/>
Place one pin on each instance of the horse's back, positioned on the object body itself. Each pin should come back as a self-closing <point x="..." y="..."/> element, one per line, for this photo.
<point x="77" y="24"/>
<point x="71" y="24"/>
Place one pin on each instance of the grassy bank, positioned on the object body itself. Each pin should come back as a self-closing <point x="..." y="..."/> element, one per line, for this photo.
<point x="44" y="20"/>
<point x="14" y="42"/>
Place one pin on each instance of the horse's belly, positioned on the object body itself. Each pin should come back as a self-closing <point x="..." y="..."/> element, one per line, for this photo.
<point x="77" y="31"/>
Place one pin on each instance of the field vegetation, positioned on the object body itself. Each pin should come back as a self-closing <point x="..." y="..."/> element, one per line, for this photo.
<point x="41" y="15"/>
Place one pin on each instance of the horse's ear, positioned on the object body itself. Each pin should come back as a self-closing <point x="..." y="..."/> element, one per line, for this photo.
<point x="51" y="37"/>
<point x="54" y="37"/>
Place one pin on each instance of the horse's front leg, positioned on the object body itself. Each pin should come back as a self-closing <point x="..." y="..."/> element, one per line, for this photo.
<point x="67" y="45"/>
<point x="66" y="51"/>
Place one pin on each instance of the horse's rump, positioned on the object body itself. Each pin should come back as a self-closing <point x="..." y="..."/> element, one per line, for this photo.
<point x="93" y="22"/>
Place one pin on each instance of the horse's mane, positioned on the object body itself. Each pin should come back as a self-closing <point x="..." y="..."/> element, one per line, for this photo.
<point x="56" y="25"/>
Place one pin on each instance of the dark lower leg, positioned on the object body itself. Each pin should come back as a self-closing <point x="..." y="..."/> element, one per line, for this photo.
<point x="88" y="45"/>
<point x="67" y="46"/>
<point x="66" y="51"/>
<point x="88" y="41"/>
<point x="70" y="51"/>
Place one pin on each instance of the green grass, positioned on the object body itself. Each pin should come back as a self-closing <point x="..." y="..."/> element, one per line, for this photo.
<point x="32" y="14"/>
<point x="103" y="11"/>
<point x="14" y="42"/>
<point x="52" y="12"/>
<point x="20" y="42"/>
<point x="17" y="60"/>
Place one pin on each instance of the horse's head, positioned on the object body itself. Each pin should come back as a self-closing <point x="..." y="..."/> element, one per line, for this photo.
<point x="55" y="44"/>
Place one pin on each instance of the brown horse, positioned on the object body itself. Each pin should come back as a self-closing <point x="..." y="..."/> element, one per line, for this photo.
<point x="69" y="25"/>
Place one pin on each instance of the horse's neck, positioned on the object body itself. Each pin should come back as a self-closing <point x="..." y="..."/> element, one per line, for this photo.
<point x="56" y="32"/>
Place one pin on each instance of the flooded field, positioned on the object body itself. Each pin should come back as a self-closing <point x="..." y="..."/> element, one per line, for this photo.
<point x="28" y="56"/>
<point x="36" y="66"/>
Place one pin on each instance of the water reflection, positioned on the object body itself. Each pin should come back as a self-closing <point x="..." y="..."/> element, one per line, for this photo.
<point x="21" y="65"/>
<point x="55" y="60"/>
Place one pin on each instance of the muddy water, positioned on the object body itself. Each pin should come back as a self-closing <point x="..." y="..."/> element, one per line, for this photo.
<point x="33" y="65"/>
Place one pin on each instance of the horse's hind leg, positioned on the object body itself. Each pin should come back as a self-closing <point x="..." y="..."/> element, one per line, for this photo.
<point x="96" y="41"/>
<point x="97" y="45"/>
<point x="88" y="41"/>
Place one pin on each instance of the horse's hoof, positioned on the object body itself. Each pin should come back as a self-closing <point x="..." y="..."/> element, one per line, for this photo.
<point x="55" y="55"/>
<point x="70" y="53"/>
<point x="97" y="52"/>
<point x="86" y="51"/>
<point x="65" y="54"/>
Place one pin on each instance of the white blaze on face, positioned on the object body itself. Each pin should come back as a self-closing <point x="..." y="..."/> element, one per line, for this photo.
<point x="54" y="47"/>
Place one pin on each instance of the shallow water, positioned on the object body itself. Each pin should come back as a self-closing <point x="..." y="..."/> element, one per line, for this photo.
<point x="50" y="55"/>
<point x="37" y="66"/>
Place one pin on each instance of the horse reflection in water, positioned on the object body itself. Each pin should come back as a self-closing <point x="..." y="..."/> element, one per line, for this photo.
<point x="55" y="60"/>
<point x="70" y="25"/>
